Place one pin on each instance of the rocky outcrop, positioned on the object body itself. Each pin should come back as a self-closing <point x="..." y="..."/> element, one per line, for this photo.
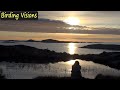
<point x="53" y="41"/>
<point x="103" y="46"/>
<point x="111" y="59"/>
<point x="30" y="40"/>
<point x="57" y="41"/>
<point x="100" y="76"/>
<point x="27" y="54"/>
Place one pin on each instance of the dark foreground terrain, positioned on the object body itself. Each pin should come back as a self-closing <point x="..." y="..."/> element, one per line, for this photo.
<point x="111" y="59"/>
<point x="99" y="76"/>
<point x="27" y="54"/>
<point x="2" y="77"/>
<point x="64" y="78"/>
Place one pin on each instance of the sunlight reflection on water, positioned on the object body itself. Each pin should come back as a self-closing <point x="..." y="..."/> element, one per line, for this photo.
<point x="72" y="48"/>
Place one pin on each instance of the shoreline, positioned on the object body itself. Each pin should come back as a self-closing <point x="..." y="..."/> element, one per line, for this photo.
<point x="28" y="54"/>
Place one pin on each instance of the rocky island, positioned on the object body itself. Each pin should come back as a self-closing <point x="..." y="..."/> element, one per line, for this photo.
<point x="10" y="41"/>
<point x="111" y="59"/>
<point x="103" y="46"/>
<point x="30" y="40"/>
<point x="56" y="41"/>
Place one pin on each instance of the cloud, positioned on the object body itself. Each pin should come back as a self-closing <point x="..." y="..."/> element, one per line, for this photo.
<point x="53" y="26"/>
<point x="80" y="13"/>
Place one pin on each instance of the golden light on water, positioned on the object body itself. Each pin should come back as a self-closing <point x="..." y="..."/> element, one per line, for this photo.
<point x="72" y="21"/>
<point x="71" y="48"/>
<point x="71" y="62"/>
<point x="81" y="62"/>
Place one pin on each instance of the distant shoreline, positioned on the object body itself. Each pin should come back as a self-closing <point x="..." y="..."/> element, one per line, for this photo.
<point x="44" y="41"/>
<point x="103" y="46"/>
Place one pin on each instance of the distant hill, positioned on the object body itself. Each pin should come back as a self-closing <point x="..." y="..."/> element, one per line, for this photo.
<point x="30" y="40"/>
<point x="10" y="41"/>
<point x="53" y="41"/>
<point x="44" y="41"/>
<point x="57" y="41"/>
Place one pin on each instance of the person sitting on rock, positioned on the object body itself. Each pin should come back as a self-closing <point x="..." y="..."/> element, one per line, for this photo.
<point x="76" y="73"/>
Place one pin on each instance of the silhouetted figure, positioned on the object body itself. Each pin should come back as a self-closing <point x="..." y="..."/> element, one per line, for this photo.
<point x="76" y="73"/>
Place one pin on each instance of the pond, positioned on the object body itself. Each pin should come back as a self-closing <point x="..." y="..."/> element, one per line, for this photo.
<point x="89" y="69"/>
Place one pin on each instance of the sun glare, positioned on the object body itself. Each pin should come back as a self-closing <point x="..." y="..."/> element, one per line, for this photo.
<point x="72" y="21"/>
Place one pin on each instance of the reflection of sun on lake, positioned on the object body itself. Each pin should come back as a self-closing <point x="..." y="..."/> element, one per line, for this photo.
<point x="71" y="62"/>
<point x="71" y="48"/>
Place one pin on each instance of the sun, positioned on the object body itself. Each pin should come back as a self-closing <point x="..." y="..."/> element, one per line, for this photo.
<point x="72" y="21"/>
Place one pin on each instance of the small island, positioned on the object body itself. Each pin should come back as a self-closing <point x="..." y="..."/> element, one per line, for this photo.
<point x="57" y="41"/>
<point x="9" y="41"/>
<point x="31" y="40"/>
<point x="103" y="46"/>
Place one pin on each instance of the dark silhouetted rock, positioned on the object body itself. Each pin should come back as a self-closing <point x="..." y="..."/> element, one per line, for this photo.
<point x="9" y="41"/>
<point x="32" y="40"/>
<point x="27" y="54"/>
<point x="53" y="41"/>
<point x="57" y="41"/>
<point x="103" y="46"/>
<point x="100" y="76"/>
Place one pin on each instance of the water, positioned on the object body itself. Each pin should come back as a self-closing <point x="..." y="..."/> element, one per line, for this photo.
<point x="89" y="69"/>
<point x="60" y="69"/>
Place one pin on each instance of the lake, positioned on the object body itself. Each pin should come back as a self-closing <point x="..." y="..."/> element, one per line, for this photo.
<point x="60" y="69"/>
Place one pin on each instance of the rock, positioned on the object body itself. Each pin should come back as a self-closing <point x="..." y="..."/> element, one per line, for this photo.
<point x="100" y="76"/>
<point x="31" y="40"/>
<point x="27" y="54"/>
<point x="103" y="46"/>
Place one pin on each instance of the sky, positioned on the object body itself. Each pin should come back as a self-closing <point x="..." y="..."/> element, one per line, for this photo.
<point x="83" y="26"/>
